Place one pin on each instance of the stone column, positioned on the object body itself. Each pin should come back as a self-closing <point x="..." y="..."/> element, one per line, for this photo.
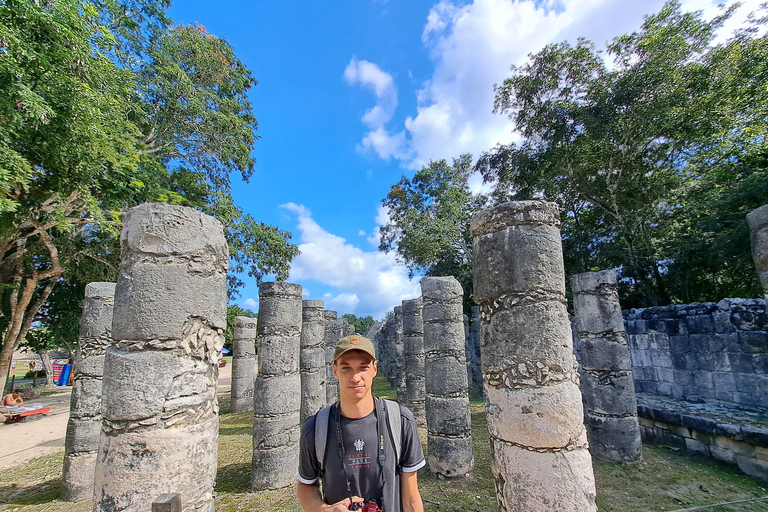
<point x="331" y="337"/>
<point x="312" y="360"/>
<point x="399" y="362"/>
<point x="413" y="353"/>
<point x="277" y="391"/>
<point x="243" y="363"/>
<point x="160" y="416"/>
<point x="474" y="349"/>
<point x="607" y="385"/>
<point x="449" y="422"/>
<point x="758" y="227"/>
<point x="467" y="352"/>
<point x="84" y="426"/>
<point x="539" y="453"/>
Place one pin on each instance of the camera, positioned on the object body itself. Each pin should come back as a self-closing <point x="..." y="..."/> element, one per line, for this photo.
<point x="366" y="506"/>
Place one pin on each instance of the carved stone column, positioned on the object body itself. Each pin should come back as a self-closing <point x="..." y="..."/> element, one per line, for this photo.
<point x="243" y="363"/>
<point x="312" y="362"/>
<point x="539" y="453"/>
<point x="758" y="227"/>
<point x="413" y="353"/>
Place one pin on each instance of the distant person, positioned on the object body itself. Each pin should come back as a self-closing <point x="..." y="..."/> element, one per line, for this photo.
<point x="350" y="446"/>
<point x="12" y="400"/>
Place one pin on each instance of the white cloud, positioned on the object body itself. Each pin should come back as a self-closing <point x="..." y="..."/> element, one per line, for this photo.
<point x="368" y="282"/>
<point x="251" y="304"/>
<point x="472" y="47"/>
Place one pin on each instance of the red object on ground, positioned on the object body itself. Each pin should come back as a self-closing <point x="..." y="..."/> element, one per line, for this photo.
<point x="20" y="416"/>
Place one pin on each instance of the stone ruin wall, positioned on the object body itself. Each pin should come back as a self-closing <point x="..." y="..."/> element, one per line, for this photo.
<point x="712" y="352"/>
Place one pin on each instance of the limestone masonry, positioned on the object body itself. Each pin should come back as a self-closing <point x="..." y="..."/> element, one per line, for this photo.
<point x="539" y="454"/>
<point x="84" y="426"/>
<point x="160" y="415"/>
<point x="277" y="391"/>
<point x="606" y="380"/>
<point x="243" y="363"/>
<point x="449" y="426"/>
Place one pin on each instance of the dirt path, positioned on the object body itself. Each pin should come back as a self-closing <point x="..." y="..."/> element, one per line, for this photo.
<point x="45" y="434"/>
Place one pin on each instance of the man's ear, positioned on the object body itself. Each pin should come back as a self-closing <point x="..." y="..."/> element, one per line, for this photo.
<point x="375" y="367"/>
<point x="334" y="371"/>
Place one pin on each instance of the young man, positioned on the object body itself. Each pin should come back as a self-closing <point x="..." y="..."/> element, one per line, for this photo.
<point x="359" y="463"/>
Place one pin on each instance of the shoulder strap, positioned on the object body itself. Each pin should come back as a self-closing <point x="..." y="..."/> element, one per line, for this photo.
<point x="395" y="427"/>
<point x="321" y="434"/>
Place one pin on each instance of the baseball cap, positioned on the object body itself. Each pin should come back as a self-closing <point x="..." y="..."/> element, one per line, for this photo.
<point x="354" y="342"/>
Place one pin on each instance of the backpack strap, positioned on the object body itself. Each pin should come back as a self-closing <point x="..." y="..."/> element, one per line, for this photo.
<point x="394" y="421"/>
<point x="395" y="428"/>
<point x="321" y="435"/>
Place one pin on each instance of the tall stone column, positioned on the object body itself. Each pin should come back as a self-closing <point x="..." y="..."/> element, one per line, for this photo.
<point x="449" y="422"/>
<point x="758" y="228"/>
<point x="539" y="454"/>
<point x="84" y="426"/>
<point x="413" y="353"/>
<point x="467" y="350"/>
<point x="399" y="362"/>
<point x="243" y="363"/>
<point x="312" y="360"/>
<point x="607" y="386"/>
<point x="277" y="391"/>
<point x="160" y="416"/>
<point x="331" y="337"/>
<point x="474" y="349"/>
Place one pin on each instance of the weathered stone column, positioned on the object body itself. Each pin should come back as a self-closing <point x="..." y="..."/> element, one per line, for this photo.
<point x="160" y="415"/>
<point x="277" y="391"/>
<point x="758" y="227"/>
<point x="331" y="337"/>
<point x="449" y="422"/>
<point x="607" y="386"/>
<point x="84" y="426"/>
<point x="399" y="362"/>
<point x="243" y="363"/>
<point x="312" y="360"/>
<point x="467" y="352"/>
<point x="474" y="349"/>
<point x="539" y="453"/>
<point x="413" y="353"/>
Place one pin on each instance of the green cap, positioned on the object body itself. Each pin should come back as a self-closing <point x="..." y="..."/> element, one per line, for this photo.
<point x="354" y="342"/>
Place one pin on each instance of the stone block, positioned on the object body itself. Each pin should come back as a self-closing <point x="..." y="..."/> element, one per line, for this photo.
<point x="753" y="467"/>
<point x="447" y="375"/>
<point x="511" y="337"/>
<point x="699" y="324"/>
<point x="564" y="479"/>
<point x="450" y="456"/>
<point x="614" y="439"/>
<point x="448" y="417"/>
<point x="604" y="354"/>
<point x="608" y="394"/>
<point x="543" y="417"/>
<point x="754" y="342"/>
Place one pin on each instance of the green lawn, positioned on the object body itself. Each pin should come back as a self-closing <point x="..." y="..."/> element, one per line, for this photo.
<point x="664" y="481"/>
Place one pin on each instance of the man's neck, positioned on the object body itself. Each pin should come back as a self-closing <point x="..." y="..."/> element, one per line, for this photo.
<point x="357" y="408"/>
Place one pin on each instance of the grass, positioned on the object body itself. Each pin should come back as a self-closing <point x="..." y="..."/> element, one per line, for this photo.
<point x="664" y="481"/>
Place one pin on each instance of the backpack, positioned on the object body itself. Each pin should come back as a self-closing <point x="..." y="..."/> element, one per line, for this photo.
<point x="393" y="421"/>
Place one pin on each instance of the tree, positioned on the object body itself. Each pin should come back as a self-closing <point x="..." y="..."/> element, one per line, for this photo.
<point x="361" y="324"/>
<point x="620" y="147"/>
<point x="429" y="221"/>
<point x="104" y="105"/>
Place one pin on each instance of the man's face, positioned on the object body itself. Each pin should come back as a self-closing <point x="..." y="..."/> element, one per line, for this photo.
<point x="355" y="371"/>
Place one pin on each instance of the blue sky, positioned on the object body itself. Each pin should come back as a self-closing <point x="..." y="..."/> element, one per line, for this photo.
<point x="354" y="93"/>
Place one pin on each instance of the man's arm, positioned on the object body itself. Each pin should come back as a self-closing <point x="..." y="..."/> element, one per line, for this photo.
<point x="312" y="501"/>
<point x="409" y="492"/>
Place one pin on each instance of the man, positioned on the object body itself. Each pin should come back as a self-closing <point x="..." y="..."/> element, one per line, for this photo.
<point x="359" y="462"/>
<point x="13" y="399"/>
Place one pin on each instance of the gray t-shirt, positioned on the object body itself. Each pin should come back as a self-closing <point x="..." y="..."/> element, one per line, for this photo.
<point x="361" y="452"/>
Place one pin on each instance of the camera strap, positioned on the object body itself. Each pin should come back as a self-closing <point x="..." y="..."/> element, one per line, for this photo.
<point x="380" y="432"/>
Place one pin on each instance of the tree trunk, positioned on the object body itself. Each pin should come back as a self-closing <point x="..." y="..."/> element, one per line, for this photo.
<point x="6" y="355"/>
<point x="48" y="363"/>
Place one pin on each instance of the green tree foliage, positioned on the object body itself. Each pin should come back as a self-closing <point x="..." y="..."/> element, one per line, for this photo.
<point x="103" y="105"/>
<point x="361" y="324"/>
<point x="654" y="160"/>
<point x="429" y="221"/>
<point x="234" y="310"/>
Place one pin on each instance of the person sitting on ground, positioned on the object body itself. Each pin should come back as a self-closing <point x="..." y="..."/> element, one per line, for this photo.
<point x="359" y="431"/>
<point x="13" y="399"/>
